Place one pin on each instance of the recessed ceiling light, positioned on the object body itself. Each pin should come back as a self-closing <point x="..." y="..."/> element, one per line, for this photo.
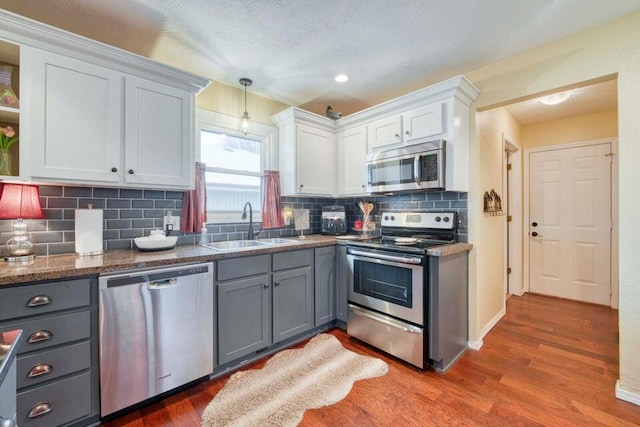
<point x="341" y="78"/>
<point x="555" y="98"/>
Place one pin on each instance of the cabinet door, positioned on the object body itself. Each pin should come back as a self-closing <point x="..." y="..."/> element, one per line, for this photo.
<point x="75" y="118"/>
<point x="158" y="134"/>
<point x="325" y="285"/>
<point x="384" y="132"/>
<point x="423" y="122"/>
<point x="314" y="161"/>
<point x="244" y="317"/>
<point x="342" y="281"/>
<point x="292" y="303"/>
<point x="352" y="153"/>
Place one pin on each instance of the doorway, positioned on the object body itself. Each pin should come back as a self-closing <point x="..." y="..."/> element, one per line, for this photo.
<point x="569" y="222"/>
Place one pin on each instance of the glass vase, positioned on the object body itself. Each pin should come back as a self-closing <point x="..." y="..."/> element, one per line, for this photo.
<point x="5" y="162"/>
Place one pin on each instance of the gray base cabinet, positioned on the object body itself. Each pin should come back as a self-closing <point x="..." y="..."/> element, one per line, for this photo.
<point x="244" y="317"/>
<point x="57" y="359"/>
<point x="292" y="303"/>
<point x="342" y="282"/>
<point x="325" y="285"/>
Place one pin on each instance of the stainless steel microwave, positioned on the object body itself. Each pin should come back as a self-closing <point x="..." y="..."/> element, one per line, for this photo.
<point x="407" y="168"/>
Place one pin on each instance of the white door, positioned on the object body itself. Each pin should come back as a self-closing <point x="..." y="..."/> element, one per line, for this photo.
<point x="314" y="160"/>
<point x="158" y="134"/>
<point x="570" y="223"/>
<point x="352" y="154"/>
<point x="75" y="112"/>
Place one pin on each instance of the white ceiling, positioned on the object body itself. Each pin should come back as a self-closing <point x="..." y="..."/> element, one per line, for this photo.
<point x="594" y="98"/>
<point x="292" y="49"/>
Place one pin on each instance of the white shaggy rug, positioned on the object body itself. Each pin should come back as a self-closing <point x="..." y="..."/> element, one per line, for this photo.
<point x="292" y="381"/>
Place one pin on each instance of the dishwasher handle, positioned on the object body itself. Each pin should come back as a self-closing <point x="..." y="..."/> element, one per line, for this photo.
<point x="162" y="284"/>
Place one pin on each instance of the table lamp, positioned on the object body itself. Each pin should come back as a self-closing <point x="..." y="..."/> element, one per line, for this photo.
<point x="19" y="202"/>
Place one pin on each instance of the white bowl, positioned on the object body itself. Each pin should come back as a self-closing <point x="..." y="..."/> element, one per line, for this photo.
<point x="153" y="243"/>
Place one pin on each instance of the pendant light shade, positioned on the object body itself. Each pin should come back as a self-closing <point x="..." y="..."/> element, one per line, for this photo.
<point x="245" y="120"/>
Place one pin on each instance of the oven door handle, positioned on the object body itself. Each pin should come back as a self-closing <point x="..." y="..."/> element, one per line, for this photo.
<point x="403" y="260"/>
<point x="405" y="328"/>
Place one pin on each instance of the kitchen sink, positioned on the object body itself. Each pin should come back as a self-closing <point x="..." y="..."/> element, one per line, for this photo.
<point x="234" y="245"/>
<point x="278" y="241"/>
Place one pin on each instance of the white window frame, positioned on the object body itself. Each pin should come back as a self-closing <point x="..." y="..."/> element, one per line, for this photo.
<point x="213" y="121"/>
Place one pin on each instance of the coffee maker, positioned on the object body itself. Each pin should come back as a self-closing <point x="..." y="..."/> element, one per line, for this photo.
<point x="334" y="220"/>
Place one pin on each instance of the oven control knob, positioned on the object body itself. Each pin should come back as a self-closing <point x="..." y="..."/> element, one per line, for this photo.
<point x="438" y="219"/>
<point x="445" y="219"/>
<point x="393" y="218"/>
<point x="386" y="217"/>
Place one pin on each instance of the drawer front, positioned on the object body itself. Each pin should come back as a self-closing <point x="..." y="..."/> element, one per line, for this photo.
<point x="295" y="259"/>
<point x="51" y="330"/>
<point x="47" y="365"/>
<point x="242" y="267"/>
<point x="57" y="403"/>
<point x="36" y="299"/>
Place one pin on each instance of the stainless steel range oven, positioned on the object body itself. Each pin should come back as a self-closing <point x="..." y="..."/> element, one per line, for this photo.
<point x="389" y="286"/>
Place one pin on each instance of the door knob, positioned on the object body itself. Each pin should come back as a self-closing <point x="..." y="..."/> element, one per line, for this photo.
<point x="534" y="224"/>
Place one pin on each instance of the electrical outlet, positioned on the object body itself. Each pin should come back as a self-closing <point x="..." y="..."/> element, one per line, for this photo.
<point x="172" y="222"/>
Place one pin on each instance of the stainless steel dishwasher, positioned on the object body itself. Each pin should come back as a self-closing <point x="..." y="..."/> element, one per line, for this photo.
<point x="156" y="332"/>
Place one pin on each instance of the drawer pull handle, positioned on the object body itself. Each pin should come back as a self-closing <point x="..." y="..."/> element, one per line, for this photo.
<point x="40" y="409"/>
<point x="39" y="336"/>
<point x="39" y="300"/>
<point x="39" y="370"/>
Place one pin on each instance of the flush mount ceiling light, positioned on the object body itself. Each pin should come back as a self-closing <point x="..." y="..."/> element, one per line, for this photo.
<point x="341" y="78"/>
<point x="555" y="98"/>
<point x="245" y="120"/>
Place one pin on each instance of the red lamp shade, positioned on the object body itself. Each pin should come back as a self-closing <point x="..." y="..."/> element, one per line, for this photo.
<point x="20" y="201"/>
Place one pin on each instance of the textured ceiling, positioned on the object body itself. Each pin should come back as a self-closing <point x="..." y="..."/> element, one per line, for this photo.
<point x="292" y="49"/>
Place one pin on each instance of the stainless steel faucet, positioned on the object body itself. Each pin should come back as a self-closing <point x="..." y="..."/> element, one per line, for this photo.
<point x="251" y="234"/>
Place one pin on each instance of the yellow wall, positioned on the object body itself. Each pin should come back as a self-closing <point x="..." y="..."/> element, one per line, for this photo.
<point x="610" y="49"/>
<point x="486" y="299"/>
<point x="230" y="100"/>
<point x="586" y="127"/>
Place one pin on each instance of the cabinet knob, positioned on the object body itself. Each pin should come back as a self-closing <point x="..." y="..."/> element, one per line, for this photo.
<point x="266" y="285"/>
<point x="363" y="186"/>
<point x="39" y="300"/>
<point x="397" y="135"/>
<point x="40" y="409"/>
<point x="130" y="171"/>
<point x="39" y="336"/>
<point x="301" y="185"/>
<point x="535" y="234"/>
<point x="39" y="370"/>
<point x="276" y="284"/>
<point x="407" y="133"/>
<point x="114" y="169"/>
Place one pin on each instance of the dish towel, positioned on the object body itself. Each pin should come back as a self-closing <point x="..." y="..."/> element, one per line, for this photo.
<point x="271" y="208"/>
<point x="194" y="204"/>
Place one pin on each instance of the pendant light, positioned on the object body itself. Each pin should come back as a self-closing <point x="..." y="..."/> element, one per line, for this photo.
<point x="245" y="120"/>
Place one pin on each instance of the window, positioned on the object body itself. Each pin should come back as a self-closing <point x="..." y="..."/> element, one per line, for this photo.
<point x="235" y="163"/>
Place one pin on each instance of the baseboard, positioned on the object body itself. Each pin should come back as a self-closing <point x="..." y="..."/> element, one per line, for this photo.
<point x="626" y="395"/>
<point x="476" y="345"/>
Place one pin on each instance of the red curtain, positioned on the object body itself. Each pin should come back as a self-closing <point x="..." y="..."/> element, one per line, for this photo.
<point x="194" y="204"/>
<point x="271" y="209"/>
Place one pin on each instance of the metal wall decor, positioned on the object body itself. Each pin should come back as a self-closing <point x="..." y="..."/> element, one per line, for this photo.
<point x="492" y="203"/>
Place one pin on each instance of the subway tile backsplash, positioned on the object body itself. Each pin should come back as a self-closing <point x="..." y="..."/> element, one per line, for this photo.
<point x="134" y="213"/>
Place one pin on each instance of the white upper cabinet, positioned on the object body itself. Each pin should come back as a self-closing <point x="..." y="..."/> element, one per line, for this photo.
<point x="384" y="132"/>
<point x="307" y="153"/>
<point x="352" y="153"/>
<point x="424" y="122"/>
<point x="157" y="133"/>
<point x="92" y="114"/>
<point x="76" y="122"/>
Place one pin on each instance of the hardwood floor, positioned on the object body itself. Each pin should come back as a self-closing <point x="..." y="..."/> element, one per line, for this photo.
<point x="548" y="362"/>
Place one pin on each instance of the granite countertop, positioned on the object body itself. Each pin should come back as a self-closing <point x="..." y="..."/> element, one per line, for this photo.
<point x="70" y="265"/>
<point x="8" y="345"/>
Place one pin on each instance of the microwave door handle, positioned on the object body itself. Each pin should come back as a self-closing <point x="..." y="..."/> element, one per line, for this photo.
<point x="417" y="170"/>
